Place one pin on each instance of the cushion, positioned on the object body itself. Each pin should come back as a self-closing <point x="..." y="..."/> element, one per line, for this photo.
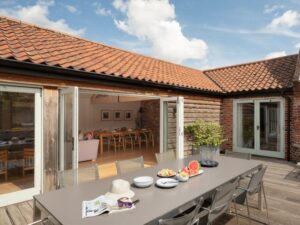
<point x="89" y="135"/>
<point x="80" y="136"/>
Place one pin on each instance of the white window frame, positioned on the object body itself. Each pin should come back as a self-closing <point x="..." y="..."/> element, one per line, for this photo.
<point x="179" y="124"/>
<point x="26" y="194"/>
<point x="256" y="150"/>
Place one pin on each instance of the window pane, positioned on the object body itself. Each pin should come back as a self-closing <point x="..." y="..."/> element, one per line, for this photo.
<point x="245" y="125"/>
<point x="16" y="141"/>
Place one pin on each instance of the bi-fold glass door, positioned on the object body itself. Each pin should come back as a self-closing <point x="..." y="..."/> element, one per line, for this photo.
<point x="68" y="132"/>
<point x="172" y="125"/>
<point x="258" y="127"/>
<point x="20" y="143"/>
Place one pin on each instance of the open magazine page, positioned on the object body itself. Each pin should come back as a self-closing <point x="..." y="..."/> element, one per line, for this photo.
<point x="101" y="205"/>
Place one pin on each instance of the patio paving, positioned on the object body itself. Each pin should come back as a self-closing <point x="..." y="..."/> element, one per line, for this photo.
<point x="282" y="189"/>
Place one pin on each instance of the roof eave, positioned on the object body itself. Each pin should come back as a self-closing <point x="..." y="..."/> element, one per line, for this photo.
<point x="49" y="71"/>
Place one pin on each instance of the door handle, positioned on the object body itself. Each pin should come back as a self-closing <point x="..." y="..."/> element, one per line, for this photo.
<point x="257" y="127"/>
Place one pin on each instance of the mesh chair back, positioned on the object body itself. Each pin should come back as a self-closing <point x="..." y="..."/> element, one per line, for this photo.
<point x="187" y="219"/>
<point x="165" y="156"/>
<point x="69" y="178"/>
<point x="256" y="180"/>
<point x="222" y="199"/>
<point x="129" y="165"/>
<point x="239" y="155"/>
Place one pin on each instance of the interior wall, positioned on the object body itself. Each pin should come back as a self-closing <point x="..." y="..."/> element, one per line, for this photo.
<point x="90" y="114"/>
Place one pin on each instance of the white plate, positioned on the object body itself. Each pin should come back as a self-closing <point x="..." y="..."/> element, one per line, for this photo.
<point x="167" y="182"/>
<point x="142" y="182"/>
<point x="200" y="172"/>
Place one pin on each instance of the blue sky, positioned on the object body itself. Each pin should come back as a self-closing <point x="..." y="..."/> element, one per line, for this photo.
<point x="197" y="33"/>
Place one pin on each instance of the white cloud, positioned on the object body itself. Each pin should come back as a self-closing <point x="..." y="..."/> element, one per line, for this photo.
<point x="154" y="22"/>
<point x="100" y="10"/>
<point x="275" y="54"/>
<point x="71" y="8"/>
<point x="272" y="8"/>
<point x="288" y="19"/>
<point x="297" y="45"/>
<point x="39" y="14"/>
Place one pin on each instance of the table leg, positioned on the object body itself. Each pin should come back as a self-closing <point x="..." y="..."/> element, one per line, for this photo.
<point x="260" y="200"/>
<point x="36" y="211"/>
<point x="101" y="145"/>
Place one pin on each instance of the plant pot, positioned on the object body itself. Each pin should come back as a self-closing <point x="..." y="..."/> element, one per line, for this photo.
<point x="195" y="151"/>
<point x="209" y="152"/>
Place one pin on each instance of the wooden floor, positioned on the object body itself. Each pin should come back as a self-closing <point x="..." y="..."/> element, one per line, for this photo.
<point x="282" y="189"/>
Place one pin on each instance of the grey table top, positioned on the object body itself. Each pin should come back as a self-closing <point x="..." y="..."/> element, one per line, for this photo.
<point x="65" y="204"/>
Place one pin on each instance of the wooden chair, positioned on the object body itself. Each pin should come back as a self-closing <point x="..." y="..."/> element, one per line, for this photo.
<point x="239" y="155"/>
<point x="128" y="141"/>
<point x="136" y="140"/>
<point x="3" y="163"/>
<point x="117" y="141"/>
<point x="151" y="138"/>
<point x="165" y="156"/>
<point x="144" y="138"/>
<point x="28" y="160"/>
<point x="69" y="178"/>
<point x="129" y="165"/>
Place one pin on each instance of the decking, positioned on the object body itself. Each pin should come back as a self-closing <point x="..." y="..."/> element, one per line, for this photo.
<point x="282" y="189"/>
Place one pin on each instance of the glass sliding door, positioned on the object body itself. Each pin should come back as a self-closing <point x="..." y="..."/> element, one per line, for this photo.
<point x="259" y="127"/>
<point x="20" y="143"/>
<point x="68" y="132"/>
<point x="172" y="125"/>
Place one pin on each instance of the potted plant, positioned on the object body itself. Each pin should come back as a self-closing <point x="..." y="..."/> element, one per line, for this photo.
<point x="206" y="137"/>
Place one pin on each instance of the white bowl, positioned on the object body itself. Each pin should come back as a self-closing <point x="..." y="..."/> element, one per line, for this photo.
<point x="142" y="182"/>
<point x="182" y="179"/>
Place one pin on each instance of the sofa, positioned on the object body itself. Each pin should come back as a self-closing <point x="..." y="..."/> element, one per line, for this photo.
<point x="88" y="149"/>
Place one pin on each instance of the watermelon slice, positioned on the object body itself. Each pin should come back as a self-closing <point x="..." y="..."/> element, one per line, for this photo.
<point x="194" y="166"/>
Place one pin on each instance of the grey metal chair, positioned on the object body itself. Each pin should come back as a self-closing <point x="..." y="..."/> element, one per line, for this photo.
<point x="69" y="178"/>
<point x="129" y="165"/>
<point x="165" y="156"/>
<point x="186" y="219"/>
<point x="239" y="155"/>
<point x="255" y="186"/>
<point x="221" y="201"/>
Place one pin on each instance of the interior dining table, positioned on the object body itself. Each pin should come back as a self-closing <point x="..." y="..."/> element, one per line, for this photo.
<point x="108" y="134"/>
<point x="64" y="206"/>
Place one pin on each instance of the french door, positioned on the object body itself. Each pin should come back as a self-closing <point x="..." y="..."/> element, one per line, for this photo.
<point x="20" y="143"/>
<point x="172" y="125"/>
<point x="68" y="124"/>
<point x="258" y="126"/>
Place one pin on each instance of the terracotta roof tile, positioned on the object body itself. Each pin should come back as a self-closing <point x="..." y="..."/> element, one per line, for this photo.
<point x="261" y="75"/>
<point x="25" y="42"/>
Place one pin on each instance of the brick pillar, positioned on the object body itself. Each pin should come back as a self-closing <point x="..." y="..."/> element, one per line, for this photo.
<point x="295" y="123"/>
<point x="226" y="122"/>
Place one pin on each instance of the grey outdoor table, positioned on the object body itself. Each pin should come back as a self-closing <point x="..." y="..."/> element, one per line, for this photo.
<point x="64" y="206"/>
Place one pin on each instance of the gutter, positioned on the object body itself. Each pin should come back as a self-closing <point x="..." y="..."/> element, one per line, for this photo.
<point x="47" y="71"/>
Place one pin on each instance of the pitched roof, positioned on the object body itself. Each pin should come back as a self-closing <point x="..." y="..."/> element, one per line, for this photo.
<point x="260" y="75"/>
<point x="24" y="42"/>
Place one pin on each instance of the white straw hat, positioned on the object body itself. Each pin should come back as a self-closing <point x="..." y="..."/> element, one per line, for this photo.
<point x="119" y="189"/>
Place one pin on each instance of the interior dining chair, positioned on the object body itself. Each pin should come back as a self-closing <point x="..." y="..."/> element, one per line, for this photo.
<point x="3" y="163"/>
<point x="165" y="156"/>
<point x="118" y="141"/>
<point x="69" y="178"/>
<point x="189" y="218"/>
<point x="128" y="141"/>
<point x="144" y="138"/>
<point x="28" y="160"/>
<point x="129" y="165"/>
<point x="255" y="186"/>
<point x="151" y="138"/>
<point x="240" y="155"/>
<point x="221" y="201"/>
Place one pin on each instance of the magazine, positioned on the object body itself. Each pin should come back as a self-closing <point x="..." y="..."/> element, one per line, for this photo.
<point x="101" y="205"/>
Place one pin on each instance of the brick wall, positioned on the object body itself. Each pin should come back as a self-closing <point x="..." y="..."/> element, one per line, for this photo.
<point x="295" y="124"/>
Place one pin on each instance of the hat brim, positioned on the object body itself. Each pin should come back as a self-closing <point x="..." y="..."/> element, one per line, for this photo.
<point x="115" y="197"/>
